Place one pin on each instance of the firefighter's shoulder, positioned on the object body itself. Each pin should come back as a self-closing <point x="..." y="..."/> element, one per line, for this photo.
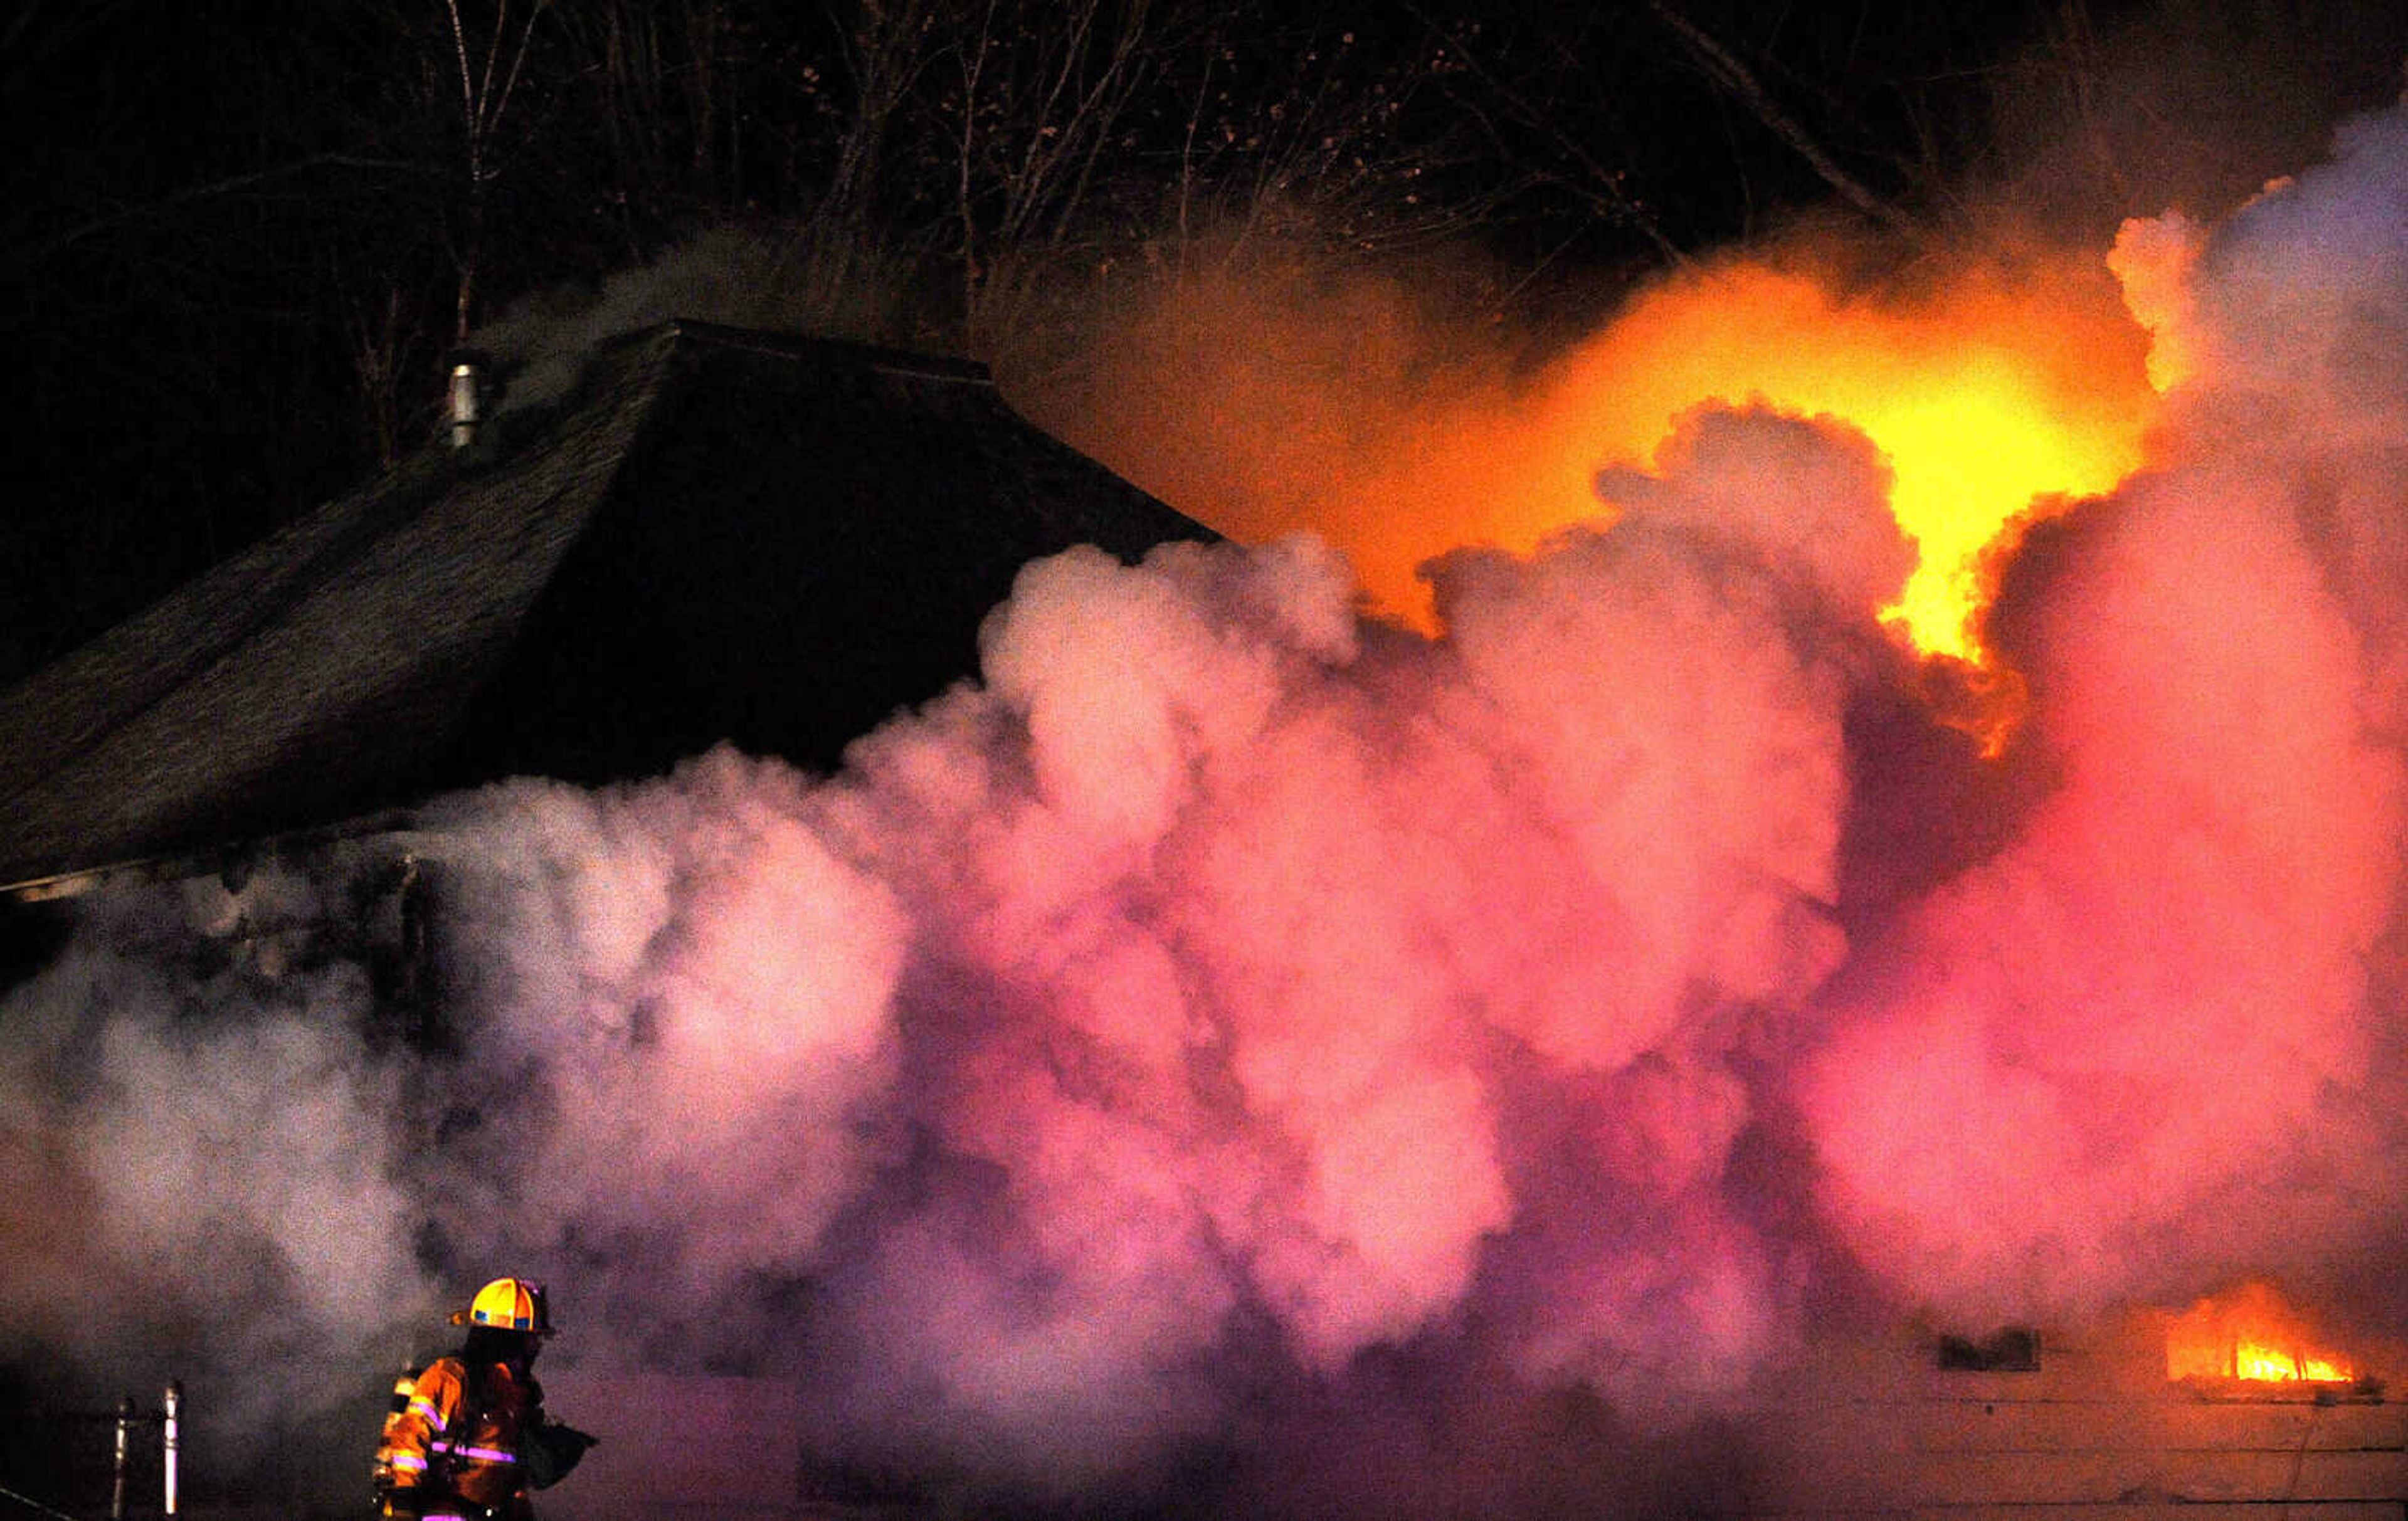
<point x="440" y="1384"/>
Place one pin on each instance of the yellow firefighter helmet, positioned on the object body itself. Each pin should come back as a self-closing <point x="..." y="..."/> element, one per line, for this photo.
<point x="508" y="1304"/>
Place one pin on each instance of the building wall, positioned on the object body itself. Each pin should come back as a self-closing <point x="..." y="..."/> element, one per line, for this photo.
<point x="1860" y="1432"/>
<point x="2095" y="1433"/>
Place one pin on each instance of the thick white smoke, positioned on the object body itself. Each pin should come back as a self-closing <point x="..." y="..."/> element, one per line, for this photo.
<point x="1227" y="1005"/>
<point x="2122" y="1055"/>
<point x="203" y="1163"/>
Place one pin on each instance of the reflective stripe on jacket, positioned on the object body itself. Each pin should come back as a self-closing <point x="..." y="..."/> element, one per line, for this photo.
<point x="442" y="1442"/>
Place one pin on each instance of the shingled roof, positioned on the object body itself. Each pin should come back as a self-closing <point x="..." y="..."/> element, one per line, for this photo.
<point x="720" y="535"/>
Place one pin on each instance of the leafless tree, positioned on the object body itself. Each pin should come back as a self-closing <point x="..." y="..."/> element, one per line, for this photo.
<point x="490" y="67"/>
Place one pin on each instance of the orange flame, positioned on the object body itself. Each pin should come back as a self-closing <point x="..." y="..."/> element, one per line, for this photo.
<point x="2250" y="1334"/>
<point x="1993" y="400"/>
<point x="1266" y="408"/>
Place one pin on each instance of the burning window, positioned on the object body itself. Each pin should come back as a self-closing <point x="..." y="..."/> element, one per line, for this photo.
<point x="2250" y="1334"/>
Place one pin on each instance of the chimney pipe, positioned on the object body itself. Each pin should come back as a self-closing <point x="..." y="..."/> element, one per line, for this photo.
<point x="466" y="403"/>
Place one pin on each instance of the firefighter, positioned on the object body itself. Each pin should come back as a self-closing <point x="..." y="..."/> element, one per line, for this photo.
<point x="471" y="1439"/>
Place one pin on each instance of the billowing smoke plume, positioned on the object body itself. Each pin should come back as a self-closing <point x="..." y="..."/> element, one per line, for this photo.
<point x="1232" y="1026"/>
<point x="2135" y="1046"/>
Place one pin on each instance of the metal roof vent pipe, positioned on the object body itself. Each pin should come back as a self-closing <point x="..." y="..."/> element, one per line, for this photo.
<point x="465" y="400"/>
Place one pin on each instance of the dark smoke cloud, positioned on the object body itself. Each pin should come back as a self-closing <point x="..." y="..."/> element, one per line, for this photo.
<point x="1236" y="1026"/>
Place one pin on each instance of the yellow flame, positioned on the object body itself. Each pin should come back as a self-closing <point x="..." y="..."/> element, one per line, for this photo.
<point x="1970" y="454"/>
<point x="1987" y="400"/>
<point x="2249" y="1334"/>
<point x="2265" y="1363"/>
<point x="1996" y="393"/>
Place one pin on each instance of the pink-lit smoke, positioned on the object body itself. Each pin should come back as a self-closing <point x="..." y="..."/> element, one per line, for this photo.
<point x="1229" y="1021"/>
<point x="2136" y="1044"/>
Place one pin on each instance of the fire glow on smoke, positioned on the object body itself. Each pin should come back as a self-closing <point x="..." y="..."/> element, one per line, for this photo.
<point x="1995" y="396"/>
<point x="1234" y="1023"/>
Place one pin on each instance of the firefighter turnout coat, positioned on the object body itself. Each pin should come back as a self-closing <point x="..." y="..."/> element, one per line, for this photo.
<point x="447" y="1454"/>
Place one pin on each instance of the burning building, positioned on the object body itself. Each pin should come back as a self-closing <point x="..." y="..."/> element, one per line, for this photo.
<point x="703" y="536"/>
<point x="1675" y="1026"/>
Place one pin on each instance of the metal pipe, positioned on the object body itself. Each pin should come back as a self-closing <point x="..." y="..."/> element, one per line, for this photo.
<point x="125" y="1446"/>
<point x="465" y="398"/>
<point x="170" y="1436"/>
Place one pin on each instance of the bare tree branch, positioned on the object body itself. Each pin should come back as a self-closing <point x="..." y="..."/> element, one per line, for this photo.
<point x="1734" y="76"/>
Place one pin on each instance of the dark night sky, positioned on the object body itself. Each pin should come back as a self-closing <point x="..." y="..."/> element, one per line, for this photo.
<point x="232" y="233"/>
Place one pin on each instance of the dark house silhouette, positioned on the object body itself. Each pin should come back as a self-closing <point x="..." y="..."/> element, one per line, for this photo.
<point x="718" y="536"/>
